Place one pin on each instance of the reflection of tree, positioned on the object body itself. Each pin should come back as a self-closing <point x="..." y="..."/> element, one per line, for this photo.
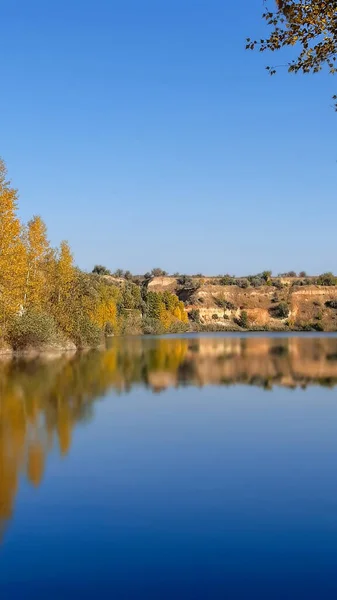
<point x="35" y="463"/>
<point x="42" y="401"/>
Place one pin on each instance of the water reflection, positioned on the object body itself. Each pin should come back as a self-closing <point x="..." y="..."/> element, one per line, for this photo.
<point x="42" y="400"/>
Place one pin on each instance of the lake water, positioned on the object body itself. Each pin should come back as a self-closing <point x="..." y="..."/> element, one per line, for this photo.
<point x="193" y="467"/>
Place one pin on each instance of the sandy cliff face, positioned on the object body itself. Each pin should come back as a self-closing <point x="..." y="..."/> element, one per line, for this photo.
<point x="223" y="305"/>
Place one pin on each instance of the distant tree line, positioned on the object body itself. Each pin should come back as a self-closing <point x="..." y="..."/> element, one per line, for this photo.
<point x="194" y="281"/>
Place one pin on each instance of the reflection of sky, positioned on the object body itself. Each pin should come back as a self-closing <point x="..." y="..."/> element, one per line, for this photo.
<point x="189" y="494"/>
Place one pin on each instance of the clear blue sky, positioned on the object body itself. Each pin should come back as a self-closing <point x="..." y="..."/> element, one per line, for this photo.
<point x="145" y="134"/>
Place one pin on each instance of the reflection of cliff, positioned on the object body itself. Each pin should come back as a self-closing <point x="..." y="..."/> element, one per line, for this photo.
<point x="264" y="361"/>
<point x="41" y="402"/>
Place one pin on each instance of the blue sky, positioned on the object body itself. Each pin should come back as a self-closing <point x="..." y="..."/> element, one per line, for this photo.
<point x="145" y="134"/>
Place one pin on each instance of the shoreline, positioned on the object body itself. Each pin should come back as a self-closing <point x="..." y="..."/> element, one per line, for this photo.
<point x="58" y="351"/>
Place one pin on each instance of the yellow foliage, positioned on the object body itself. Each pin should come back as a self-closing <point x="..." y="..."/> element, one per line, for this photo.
<point x="65" y="276"/>
<point x="65" y="272"/>
<point x="12" y="251"/>
<point x="177" y="313"/>
<point x="165" y="317"/>
<point x="183" y="313"/>
<point x="37" y="254"/>
<point x="105" y="312"/>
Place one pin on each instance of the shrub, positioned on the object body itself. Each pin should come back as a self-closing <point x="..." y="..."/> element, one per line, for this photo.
<point x="227" y="280"/>
<point x="178" y="327"/>
<point x="289" y="274"/>
<point x="302" y="274"/>
<point x="317" y="326"/>
<point x="194" y="315"/>
<point x="327" y="279"/>
<point x="32" y="329"/>
<point x="130" y="322"/>
<point x="158" y="272"/>
<point x="100" y="270"/>
<point x="185" y="280"/>
<point x="223" y="303"/>
<point x="215" y="317"/>
<point x="118" y="273"/>
<point x="266" y="275"/>
<point x="108" y="329"/>
<point x="331" y="304"/>
<point x="303" y="282"/>
<point x="84" y="332"/>
<point x="305" y="327"/>
<point x="128" y="275"/>
<point x="152" y="326"/>
<point x="243" y="320"/>
<point x="243" y="283"/>
<point x="257" y="281"/>
<point x="282" y="310"/>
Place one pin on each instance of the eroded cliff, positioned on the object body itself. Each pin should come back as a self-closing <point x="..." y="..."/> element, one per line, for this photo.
<point x="278" y="305"/>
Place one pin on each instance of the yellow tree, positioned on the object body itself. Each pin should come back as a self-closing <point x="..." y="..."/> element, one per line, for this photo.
<point x="12" y="251"/>
<point x="37" y="253"/>
<point x="104" y="309"/>
<point x="65" y="272"/>
<point x="65" y="275"/>
<point x="105" y="312"/>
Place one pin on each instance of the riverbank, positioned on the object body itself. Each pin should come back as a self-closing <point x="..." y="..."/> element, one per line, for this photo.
<point x="52" y="352"/>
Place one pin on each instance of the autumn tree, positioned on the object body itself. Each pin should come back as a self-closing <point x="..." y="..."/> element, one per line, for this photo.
<point x="65" y="272"/>
<point x="37" y="254"/>
<point x="12" y="251"/>
<point x="166" y="308"/>
<point x="64" y="277"/>
<point x="310" y="26"/>
<point x="104" y="308"/>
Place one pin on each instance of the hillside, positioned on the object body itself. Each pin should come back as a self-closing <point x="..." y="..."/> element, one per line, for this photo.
<point x="280" y="304"/>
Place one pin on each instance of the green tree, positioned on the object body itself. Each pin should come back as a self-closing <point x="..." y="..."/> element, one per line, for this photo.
<point x="282" y="310"/>
<point x="158" y="272"/>
<point x="118" y="273"/>
<point x="327" y="279"/>
<point x="266" y="275"/>
<point x="244" y="321"/>
<point x="100" y="270"/>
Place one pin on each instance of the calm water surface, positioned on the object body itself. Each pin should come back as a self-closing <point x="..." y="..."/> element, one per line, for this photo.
<point x="196" y="467"/>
